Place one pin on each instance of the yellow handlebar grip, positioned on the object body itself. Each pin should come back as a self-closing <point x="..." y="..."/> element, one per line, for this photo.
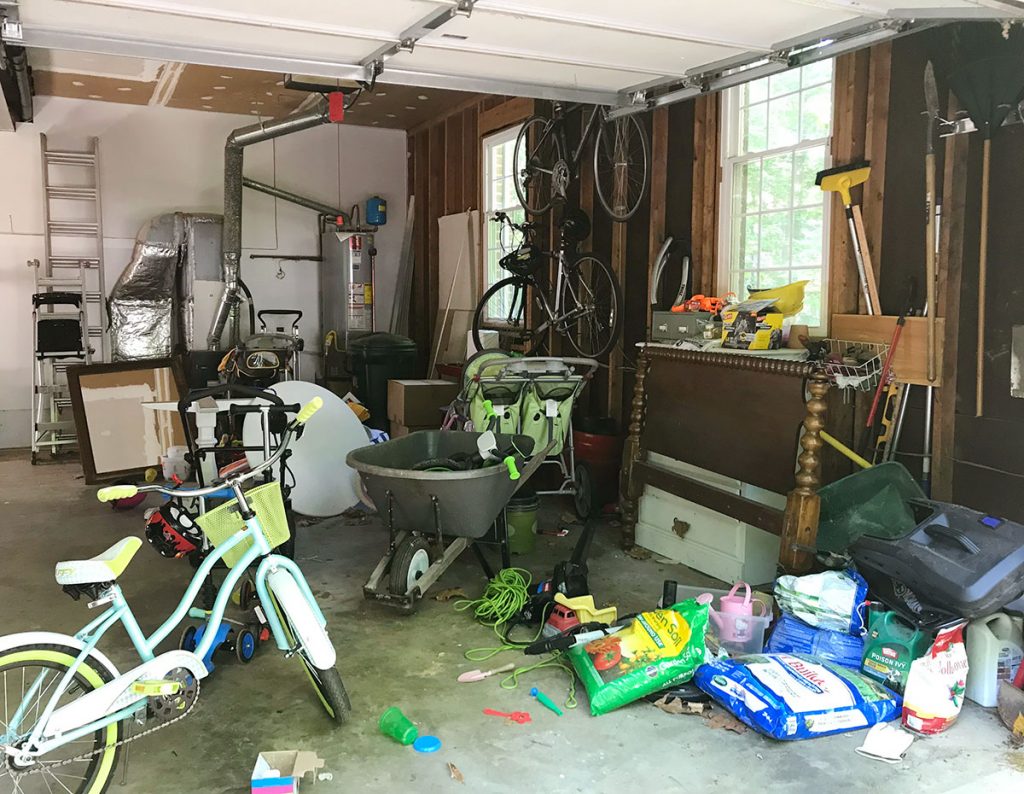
<point x="112" y="492"/>
<point x="309" y="409"/>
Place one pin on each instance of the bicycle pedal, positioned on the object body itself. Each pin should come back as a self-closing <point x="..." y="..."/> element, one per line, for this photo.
<point x="156" y="688"/>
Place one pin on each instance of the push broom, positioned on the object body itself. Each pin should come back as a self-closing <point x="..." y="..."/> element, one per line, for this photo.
<point x="841" y="180"/>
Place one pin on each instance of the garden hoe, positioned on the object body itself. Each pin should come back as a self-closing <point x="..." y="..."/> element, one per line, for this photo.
<point x="840" y="180"/>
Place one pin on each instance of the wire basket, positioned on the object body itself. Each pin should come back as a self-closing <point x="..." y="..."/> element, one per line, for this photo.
<point x="856" y="377"/>
<point x="224" y="521"/>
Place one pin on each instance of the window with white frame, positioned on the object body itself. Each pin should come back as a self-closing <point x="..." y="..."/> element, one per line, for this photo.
<point x="774" y="219"/>
<point x="499" y="196"/>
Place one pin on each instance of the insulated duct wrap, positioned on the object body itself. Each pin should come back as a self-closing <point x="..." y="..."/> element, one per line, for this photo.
<point x="152" y="305"/>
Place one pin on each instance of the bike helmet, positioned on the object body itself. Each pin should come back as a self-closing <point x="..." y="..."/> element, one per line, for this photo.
<point x="172" y="531"/>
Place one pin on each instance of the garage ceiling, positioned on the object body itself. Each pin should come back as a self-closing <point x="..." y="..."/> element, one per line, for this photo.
<point x="604" y="52"/>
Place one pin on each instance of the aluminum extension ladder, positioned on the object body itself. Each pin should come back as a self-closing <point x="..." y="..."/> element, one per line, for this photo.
<point x="69" y="285"/>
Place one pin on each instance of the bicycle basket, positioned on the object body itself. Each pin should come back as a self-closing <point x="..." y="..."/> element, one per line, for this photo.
<point x="524" y="261"/>
<point x="222" y="522"/>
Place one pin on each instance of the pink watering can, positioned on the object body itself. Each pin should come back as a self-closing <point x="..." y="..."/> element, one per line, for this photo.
<point x="732" y="613"/>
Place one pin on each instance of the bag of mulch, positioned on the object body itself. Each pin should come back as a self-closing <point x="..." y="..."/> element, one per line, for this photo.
<point x="658" y="649"/>
<point x="936" y="683"/>
<point x="787" y="696"/>
<point x="792" y="635"/>
<point x="832" y="600"/>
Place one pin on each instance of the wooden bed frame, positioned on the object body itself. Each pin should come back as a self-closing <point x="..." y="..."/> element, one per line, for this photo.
<point x="737" y="415"/>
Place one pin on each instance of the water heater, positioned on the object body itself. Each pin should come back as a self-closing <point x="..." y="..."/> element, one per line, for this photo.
<point x="346" y="285"/>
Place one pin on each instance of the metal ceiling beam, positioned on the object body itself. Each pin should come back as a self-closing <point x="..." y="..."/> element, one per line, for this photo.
<point x="407" y="38"/>
<point x="58" y="39"/>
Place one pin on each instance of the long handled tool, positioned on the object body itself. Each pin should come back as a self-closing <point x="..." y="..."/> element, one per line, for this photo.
<point x="883" y="378"/>
<point x="840" y="180"/>
<point x="931" y="100"/>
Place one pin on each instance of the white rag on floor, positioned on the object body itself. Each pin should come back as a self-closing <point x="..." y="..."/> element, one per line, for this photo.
<point x="886" y="741"/>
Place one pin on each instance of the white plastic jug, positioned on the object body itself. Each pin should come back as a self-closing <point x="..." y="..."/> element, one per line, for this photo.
<point x="174" y="463"/>
<point x="995" y="647"/>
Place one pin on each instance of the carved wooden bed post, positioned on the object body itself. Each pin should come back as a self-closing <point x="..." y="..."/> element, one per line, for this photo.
<point x="800" y="523"/>
<point x="628" y="486"/>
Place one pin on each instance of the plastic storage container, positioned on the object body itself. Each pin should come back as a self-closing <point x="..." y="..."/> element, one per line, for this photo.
<point x="736" y="634"/>
<point x="995" y="647"/>
<point x="375" y="359"/>
<point x="174" y="464"/>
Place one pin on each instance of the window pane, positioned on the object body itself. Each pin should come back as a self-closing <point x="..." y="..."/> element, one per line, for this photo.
<point x="769" y="279"/>
<point x="784" y="121"/>
<point x="757" y="91"/>
<point x="754" y="129"/>
<point x="808" y="233"/>
<point x="815" y="112"/>
<point x="812" y="296"/>
<point x="806" y="165"/>
<point x="777" y="182"/>
<point x="820" y="72"/>
<point x="749" y="251"/>
<point x="775" y="239"/>
<point x="784" y="83"/>
<point x="747" y="187"/>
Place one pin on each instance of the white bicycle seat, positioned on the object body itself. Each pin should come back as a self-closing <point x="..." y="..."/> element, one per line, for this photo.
<point x="105" y="567"/>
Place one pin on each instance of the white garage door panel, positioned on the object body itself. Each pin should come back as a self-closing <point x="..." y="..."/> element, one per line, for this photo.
<point x="566" y="42"/>
<point x="494" y="67"/>
<point x="750" y="24"/>
<point x="119" y="22"/>
<point x="382" y="17"/>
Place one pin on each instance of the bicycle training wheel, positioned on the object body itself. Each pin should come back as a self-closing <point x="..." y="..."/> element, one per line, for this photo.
<point x="504" y="307"/>
<point x="329" y="688"/>
<point x="592" y="306"/>
<point x="533" y="164"/>
<point x="621" y="166"/>
<point x="20" y="669"/>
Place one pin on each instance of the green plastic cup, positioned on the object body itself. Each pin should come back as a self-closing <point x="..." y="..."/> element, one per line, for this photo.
<point x="395" y="724"/>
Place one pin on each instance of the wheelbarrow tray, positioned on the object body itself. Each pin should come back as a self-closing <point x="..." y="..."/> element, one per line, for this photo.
<point x="467" y="502"/>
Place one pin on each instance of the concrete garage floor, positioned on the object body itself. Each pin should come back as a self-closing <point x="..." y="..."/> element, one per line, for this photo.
<point x="47" y="514"/>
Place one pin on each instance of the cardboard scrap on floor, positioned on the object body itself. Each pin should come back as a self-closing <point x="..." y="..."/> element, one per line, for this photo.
<point x="725" y="721"/>
<point x="677" y="706"/>
<point x="455" y="773"/>
<point x="280" y="771"/>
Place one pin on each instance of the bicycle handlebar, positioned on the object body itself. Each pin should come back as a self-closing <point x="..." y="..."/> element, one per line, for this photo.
<point x="112" y="492"/>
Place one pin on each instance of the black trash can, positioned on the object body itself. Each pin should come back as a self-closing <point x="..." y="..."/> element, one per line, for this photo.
<point x="375" y="359"/>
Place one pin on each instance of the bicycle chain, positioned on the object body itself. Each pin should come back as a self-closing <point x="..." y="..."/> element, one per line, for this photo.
<point x="84" y="756"/>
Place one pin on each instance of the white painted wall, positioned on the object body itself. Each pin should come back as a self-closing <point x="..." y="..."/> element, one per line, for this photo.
<point x="156" y="160"/>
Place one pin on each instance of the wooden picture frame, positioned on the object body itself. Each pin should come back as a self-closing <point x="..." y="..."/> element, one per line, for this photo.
<point x="114" y="440"/>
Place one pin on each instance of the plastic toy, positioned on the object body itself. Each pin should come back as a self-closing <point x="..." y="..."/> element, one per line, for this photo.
<point x="545" y="701"/>
<point x="395" y="724"/>
<point x="522" y="717"/>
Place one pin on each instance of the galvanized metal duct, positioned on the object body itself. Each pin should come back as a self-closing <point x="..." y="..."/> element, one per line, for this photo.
<point x="294" y="198"/>
<point x="233" y="181"/>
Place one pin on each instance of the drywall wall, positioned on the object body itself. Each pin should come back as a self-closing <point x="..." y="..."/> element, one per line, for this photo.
<point x="157" y="159"/>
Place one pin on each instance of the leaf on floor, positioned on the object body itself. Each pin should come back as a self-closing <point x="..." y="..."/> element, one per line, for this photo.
<point x="677" y="706"/>
<point x="455" y="772"/>
<point x="449" y="593"/>
<point x="724" y="721"/>
<point x="638" y="553"/>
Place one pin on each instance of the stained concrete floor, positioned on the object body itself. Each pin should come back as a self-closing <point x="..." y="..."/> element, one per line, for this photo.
<point x="47" y="514"/>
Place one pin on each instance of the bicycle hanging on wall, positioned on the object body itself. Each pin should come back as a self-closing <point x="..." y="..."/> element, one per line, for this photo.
<point x="544" y="165"/>
<point x="586" y="307"/>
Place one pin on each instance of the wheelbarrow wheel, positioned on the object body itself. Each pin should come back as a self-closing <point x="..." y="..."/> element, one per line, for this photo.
<point x="411" y="561"/>
<point x="584" y="495"/>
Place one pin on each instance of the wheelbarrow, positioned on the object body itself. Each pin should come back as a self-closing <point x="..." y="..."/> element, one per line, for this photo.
<point x="434" y="515"/>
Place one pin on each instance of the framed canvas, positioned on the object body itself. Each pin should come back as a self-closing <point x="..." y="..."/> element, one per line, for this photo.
<point x="117" y="437"/>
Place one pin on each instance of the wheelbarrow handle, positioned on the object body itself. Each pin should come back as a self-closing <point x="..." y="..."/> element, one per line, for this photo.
<point x="533" y="464"/>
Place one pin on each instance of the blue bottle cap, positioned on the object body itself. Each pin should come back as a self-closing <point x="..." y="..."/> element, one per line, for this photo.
<point x="427" y="744"/>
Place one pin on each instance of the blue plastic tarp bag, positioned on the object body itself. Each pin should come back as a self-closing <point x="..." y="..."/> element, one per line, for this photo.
<point x="788" y="696"/>
<point x="792" y="635"/>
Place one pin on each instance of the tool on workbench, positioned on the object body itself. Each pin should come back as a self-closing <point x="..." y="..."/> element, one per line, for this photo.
<point x="989" y="82"/>
<point x="841" y="180"/>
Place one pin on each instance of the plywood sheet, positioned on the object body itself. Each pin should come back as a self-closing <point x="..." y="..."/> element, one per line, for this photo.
<point x="459" y="260"/>
<point x="910" y="362"/>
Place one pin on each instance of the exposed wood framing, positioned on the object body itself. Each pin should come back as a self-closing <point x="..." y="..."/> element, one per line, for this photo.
<point x="950" y="270"/>
<point x="505" y="115"/>
<point x="615" y="358"/>
<point x="659" y="187"/>
<point x="706" y="179"/>
<point x="879" y="73"/>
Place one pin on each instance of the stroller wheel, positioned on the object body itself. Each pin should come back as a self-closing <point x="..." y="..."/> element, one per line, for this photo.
<point x="410" y="562"/>
<point x="585" y="498"/>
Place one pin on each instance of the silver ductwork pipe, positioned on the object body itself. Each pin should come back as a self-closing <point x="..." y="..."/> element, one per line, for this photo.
<point x="233" y="182"/>
<point x="294" y="198"/>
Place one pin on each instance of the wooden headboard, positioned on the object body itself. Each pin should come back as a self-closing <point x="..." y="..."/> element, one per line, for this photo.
<point x="739" y="416"/>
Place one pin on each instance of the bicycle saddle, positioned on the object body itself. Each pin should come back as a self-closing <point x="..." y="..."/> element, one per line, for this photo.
<point x="104" y="567"/>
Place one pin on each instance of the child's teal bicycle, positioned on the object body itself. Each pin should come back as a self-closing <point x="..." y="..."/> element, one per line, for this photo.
<point x="66" y="709"/>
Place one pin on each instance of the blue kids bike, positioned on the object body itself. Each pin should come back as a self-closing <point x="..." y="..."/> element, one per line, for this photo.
<point x="66" y="709"/>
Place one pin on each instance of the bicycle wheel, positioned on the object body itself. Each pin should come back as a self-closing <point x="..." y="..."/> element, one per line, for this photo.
<point x="592" y="306"/>
<point x="621" y="166"/>
<point x="19" y="669"/>
<point x="533" y="164"/>
<point x="504" y="307"/>
<point x="327" y="683"/>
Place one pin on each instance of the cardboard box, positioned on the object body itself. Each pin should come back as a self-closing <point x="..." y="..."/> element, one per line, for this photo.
<point x="752" y="325"/>
<point x="398" y="429"/>
<point x="280" y="772"/>
<point x="420" y="403"/>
